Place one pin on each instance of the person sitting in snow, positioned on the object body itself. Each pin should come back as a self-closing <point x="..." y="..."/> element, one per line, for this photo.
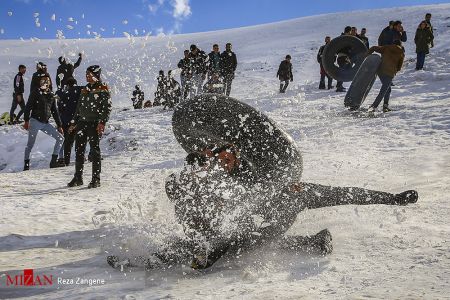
<point x="214" y="84"/>
<point x="138" y="97"/>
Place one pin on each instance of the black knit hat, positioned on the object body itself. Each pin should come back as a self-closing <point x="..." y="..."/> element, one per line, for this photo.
<point x="96" y="70"/>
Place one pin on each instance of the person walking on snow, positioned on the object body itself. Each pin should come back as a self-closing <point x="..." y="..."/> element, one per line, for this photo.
<point x="40" y="106"/>
<point x="392" y="57"/>
<point x="19" y="89"/>
<point x="92" y="113"/>
<point x="423" y="39"/>
<point x="228" y="64"/>
<point x="284" y="73"/>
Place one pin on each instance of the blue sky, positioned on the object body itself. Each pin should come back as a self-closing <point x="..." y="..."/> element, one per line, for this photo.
<point x="110" y="18"/>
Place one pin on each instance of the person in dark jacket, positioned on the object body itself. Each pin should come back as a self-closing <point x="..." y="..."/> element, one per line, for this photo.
<point x="161" y="89"/>
<point x="185" y="75"/>
<point x="214" y="84"/>
<point x="394" y="34"/>
<point x="198" y="62"/>
<point x="428" y="20"/>
<point x="41" y="105"/>
<point x="324" y="74"/>
<point x="173" y="91"/>
<point x="284" y="73"/>
<point x="364" y="38"/>
<point x="19" y="89"/>
<point x="138" y="97"/>
<point x="392" y="57"/>
<point x="65" y="71"/>
<point x="92" y="113"/>
<point x="68" y="100"/>
<point x="214" y="61"/>
<point x="383" y="35"/>
<point x="423" y="39"/>
<point x="41" y="71"/>
<point x="228" y="64"/>
<point x="343" y="61"/>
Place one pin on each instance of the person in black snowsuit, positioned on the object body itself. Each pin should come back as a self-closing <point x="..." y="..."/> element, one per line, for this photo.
<point x="65" y="71"/>
<point x="41" y="105"/>
<point x="173" y="91"/>
<point x="228" y="65"/>
<point x="343" y="60"/>
<point x="161" y="89"/>
<point x="323" y="73"/>
<point x="138" y="97"/>
<point x="185" y="75"/>
<point x="214" y="61"/>
<point x="284" y="73"/>
<point x="19" y="89"/>
<point x="68" y="100"/>
<point x="92" y="114"/>
<point x="188" y="193"/>
<point x="197" y="69"/>
<point x="41" y="71"/>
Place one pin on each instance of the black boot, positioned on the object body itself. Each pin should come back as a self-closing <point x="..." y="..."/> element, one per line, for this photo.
<point x="322" y="85"/>
<point x="95" y="183"/>
<point x="26" y="165"/>
<point x="54" y="162"/>
<point x="76" y="181"/>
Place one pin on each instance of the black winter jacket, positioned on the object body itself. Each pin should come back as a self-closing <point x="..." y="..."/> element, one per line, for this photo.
<point x="35" y="80"/>
<point x="285" y="71"/>
<point x="65" y="71"/>
<point x="68" y="103"/>
<point x="18" y="84"/>
<point x="42" y="106"/>
<point x="228" y="63"/>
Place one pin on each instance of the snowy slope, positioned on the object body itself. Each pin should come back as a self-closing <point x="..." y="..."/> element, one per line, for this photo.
<point x="379" y="251"/>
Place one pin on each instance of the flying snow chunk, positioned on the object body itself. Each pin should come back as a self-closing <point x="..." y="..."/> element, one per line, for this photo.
<point x="53" y="18"/>
<point x="125" y="22"/>
<point x="102" y="29"/>
<point x="36" y="14"/>
<point x="69" y="27"/>
<point x="82" y="16"/>
<point x="127" y="35"/>
<point x="10" y="13"/>
<point x="2" y="31"/>
<point x="70" y="19"/>
<point x="89" y="26"/>
<point x="136" y="32"/>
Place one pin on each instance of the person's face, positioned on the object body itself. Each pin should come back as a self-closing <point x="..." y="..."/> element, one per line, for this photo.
<point x="288" y="59"/>
<point x="363" y="31"/>
<point x="23" y="70"/>
<point x="90" y="78"/>
<point x="216" y="49"/>
<point x="353" y="31"/>
<point x="399" y="27"/>
<point x="327" y="40"/>
<point x="228" y="47"/>
<point x="186" y="54"/>
<point x="227" y="160"/>
<point x="428" y="17"/>
<point x="44" y="83"/>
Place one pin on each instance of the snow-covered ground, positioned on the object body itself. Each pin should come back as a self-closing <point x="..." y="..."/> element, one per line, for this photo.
<point x="382" y="252"/>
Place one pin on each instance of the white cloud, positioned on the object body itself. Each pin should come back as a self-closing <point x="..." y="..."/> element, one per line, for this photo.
<point x="181" y="9"/>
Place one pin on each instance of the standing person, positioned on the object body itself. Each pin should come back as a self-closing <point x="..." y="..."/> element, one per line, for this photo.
<point x="354" y="32"/>
<point x="392" y="57"/>
<point x="68" y="100"/>
<point x="343" y="60"/>
<point x="363" y="37"/>
<point x="428" y="20"/>
<point x="214" y="61"/>
<point x="228" y="64"/>
<point x="92" y="113"/>
<point x="42" y="105"/>
<point x="161" y="89"/>
<point x="198" y="61"/>
<point x="398" y="33"/>
<point x="185" y="76"/>
<point x="173" y="91"/>
<point x="138" y="97"/>
<point x="41" y="71"/>
<point x="423" y="39"/>
<point x="65" y="71"/>
<point x="324" y="74"/>
<point x="382" y="39"/>
<point x="19" y="89"/>
<point x="284" y="73"/>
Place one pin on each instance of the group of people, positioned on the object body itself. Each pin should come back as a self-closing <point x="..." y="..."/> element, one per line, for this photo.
<point x="392" y="52"/>
<point x="80" y="114"/>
